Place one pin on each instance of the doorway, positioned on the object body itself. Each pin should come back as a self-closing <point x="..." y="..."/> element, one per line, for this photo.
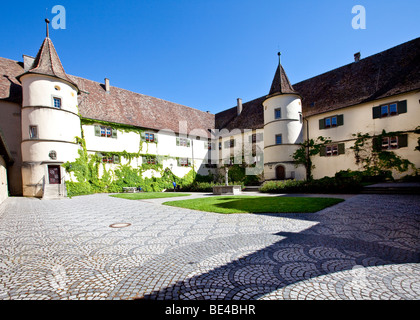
<point x="280" y="172"/>
<point x="54" y="176"/>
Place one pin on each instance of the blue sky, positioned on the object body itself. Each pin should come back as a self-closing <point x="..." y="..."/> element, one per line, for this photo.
<point x="201" y="53"/>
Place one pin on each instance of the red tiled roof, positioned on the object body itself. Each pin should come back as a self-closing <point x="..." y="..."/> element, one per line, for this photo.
<point x="127" y="107"/>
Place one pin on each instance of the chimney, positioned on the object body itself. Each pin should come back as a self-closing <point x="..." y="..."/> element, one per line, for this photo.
<point x="107" y="85"/>
<point x="357" y="57"/>
<point x="239" y="106"/>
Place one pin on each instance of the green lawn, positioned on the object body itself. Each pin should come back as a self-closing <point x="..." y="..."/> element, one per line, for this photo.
<point x="148" y="195"/>
<point x="255" y="204"/>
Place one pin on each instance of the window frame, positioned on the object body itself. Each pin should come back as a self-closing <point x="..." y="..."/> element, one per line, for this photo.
<point x="277" y="116"/>
<point x="31" y="136"/>
<point x="56" y="98"/>
<point x="276" y="139"/>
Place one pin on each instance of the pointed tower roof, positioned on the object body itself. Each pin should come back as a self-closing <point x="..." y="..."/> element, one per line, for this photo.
<point x="281" y="83"/>
<point x="48" y="63"/>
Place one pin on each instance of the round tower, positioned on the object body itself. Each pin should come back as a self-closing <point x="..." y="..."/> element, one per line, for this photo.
<point x="283" y="129"/>
<point x="50" y="123"/>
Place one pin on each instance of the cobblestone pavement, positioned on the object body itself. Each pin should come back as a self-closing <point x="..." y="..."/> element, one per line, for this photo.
<point x="364" y="248"/>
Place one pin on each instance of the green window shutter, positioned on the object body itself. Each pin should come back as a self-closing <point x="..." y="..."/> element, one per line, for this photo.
<point x="321" y="124"/>
<point x="189" y="162"/>
<point x="143" y="159"/>
<point x="188" y="142"/>
<point x="403" y="141"/>
<point x="260" y="137"/>
<point x="156" y="138"/>
<point x="116" y="159"/>
<point x="341" y="148"/>
<point x="227" y="144"/>
<point x="177" y="162"/>
<point x="97" y="131"/>
<point x="340" y="120"/>
<point x="143" y="136"/>
<point x="177" y="143"/>
<point x="114" y="133"/>
<point x="206" y="145"/>
<point x="402" y="106"/>
<point x="376" y="112"/>
<point x="323" y="151"/>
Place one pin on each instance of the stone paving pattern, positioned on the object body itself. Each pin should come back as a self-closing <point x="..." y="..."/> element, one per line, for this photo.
<point x="364" y="248"/>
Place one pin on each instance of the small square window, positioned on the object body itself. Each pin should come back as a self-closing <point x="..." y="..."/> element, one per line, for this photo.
<point x="57" y="102"/>
<point x="33" y="132"/>
<point x="278" y="139"/>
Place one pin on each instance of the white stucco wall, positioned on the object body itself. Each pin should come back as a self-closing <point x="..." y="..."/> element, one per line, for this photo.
<point x="4" y="193"/>
<point x="359" y="119"/>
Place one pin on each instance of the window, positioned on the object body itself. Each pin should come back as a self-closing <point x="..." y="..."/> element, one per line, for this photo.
<point x="149" y="159"/>
<point x="389" y="143"/>
<point x="231" y="143"/>
<point x="333" y="150"/>
<point x="110" y="158"/>
<point x="331" y="122"/>
<point x="254" y="138"/>
<point x="277" y="113"/>
<point x="150" y="137"/>
<point x="389" y="110"/>
<point x="57" y="102"/>
<point x="278" y="139"/>
<point x="107" y="132"/>
<point x="183" y="142"/>
<point x="33" y="132"/>
<point x="184" y="162"/>
<point x="220" y="145"/>
<point x="103" y="131"/>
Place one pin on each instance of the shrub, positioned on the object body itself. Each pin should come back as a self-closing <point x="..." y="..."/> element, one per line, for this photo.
<point x="78" y="188"/>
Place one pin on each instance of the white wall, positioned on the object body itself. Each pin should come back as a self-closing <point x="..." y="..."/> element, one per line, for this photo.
<point x="3" y="181"/>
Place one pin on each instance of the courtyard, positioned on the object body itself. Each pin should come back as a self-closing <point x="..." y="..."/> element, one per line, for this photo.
<point x="98" y="247"/>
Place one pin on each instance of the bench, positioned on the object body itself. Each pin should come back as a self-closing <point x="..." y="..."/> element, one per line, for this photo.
<point x="130" y="189"/>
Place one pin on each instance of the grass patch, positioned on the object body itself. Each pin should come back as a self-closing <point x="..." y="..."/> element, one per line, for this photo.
<point x="148" y="195"/>
<point x="256" y="204"/>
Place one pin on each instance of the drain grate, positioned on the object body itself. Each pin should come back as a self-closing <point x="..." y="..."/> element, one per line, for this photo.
<point x="120" y="225"/>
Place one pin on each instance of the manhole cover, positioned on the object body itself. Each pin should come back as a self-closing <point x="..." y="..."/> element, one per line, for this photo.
<point x="120" y="225"/>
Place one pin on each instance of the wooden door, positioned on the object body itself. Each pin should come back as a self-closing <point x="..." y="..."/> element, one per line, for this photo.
<point x="54" y="174"/>
<point x="280" y="173"/>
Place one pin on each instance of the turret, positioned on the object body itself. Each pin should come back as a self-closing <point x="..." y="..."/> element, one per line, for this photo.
<point x="50" y="123"/>
<point x="282" y="129"/>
